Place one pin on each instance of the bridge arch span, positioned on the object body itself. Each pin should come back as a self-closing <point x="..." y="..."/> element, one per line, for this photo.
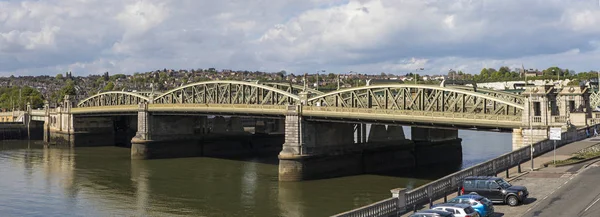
<point x="293" y="88"/>
<point x="113" y="98"/>
<point x="495" y="93"/>
<point x="421" y="98"/>
<point x="227" y="92"/>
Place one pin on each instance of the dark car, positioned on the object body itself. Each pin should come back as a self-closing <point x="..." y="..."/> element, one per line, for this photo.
<point x="432" y="213"/>
<point x="495" y="189"/>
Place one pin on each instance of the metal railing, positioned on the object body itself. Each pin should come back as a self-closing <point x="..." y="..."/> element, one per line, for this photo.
<point x="515" y="118"/>
<point x="449" y="184"/>
<point x="38" y="113"/>
<point x="387" y="207"/>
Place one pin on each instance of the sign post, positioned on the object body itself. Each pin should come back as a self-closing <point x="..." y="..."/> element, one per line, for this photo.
<point x="555" y="133"/>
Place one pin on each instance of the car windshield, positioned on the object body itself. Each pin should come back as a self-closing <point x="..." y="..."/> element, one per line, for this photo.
<point x="456" y="200"/>
<point x="503" y="183"/>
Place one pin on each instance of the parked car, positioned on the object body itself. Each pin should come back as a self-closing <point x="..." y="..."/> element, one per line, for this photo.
<point x="432" y="213"/>
<point x="482" y="205"/>
<point x="458" y="209"/>
<point x="495" y="189"/>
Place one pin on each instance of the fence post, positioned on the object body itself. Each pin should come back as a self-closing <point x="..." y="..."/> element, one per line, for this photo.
<point x="400" y="193"/>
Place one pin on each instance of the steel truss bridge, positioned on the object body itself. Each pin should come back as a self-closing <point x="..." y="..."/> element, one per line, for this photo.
<point x="457" y="107"/>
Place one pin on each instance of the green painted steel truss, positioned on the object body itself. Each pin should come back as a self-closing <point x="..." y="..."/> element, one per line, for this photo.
<point x="417" y="98"/>
<point x="397" y="97"/>
<point x="113" y="98"/>
<point x="227" y="92"/>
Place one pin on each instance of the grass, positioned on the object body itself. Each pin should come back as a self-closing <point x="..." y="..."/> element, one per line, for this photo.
<point x="575" y="158"/>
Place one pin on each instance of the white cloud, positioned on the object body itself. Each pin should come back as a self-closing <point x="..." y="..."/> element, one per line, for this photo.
<point x="369" y="36"/>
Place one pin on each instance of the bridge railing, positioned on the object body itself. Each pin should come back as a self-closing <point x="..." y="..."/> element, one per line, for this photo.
<point x="38" y="112"/>
<point x="387" y="207"/>
<point x="432" y="191"/>
<point x="515" y="118"/>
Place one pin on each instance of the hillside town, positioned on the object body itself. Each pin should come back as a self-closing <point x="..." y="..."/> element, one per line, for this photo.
<point x="53" y="88"/>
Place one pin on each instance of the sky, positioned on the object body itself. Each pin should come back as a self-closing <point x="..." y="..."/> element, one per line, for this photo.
<point x="298" y="36"/>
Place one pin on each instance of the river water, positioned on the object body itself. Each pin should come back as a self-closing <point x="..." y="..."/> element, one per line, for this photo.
<point x="103" y="181"/>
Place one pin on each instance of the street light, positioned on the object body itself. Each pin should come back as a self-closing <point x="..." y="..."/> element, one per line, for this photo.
<point x="318" y="78"/>
<point x="417" y="75"/>
<point x="531" y="128"/>
<point x="356" y="82"/>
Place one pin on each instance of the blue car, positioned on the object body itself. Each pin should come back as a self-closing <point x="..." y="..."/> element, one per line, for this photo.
<point x="482" y="205"/>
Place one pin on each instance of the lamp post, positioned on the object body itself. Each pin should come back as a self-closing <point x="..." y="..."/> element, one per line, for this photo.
<point x="531" y="128"/>
<point x="356" y="82"/>
<point x="417" y="75"/>
<point x="598" y="81"/>
<point x="317" y="87"/>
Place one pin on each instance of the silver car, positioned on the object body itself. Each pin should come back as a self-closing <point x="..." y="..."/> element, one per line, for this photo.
<point x="458" y="209"/>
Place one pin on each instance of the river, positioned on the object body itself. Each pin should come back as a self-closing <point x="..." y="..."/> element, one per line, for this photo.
<point x="103" y="181"/>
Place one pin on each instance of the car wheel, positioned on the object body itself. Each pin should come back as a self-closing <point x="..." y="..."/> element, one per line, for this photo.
<point x="481" y="215"/>
<point x="512" y="201"/>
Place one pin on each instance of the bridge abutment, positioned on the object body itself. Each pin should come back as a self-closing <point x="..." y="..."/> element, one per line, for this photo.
<point x="62" y="128"/>
<point x="522" y="137"/>
<point x="314" y="150"/>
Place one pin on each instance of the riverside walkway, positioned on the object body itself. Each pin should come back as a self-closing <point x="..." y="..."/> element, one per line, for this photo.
<point x="541" y="182"/>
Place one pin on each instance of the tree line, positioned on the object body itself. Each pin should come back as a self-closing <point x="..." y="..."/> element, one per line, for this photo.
<point x="17" y="98"/>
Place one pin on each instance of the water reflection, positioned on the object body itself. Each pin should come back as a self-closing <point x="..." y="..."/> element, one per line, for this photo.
<point x="103" y="181"/>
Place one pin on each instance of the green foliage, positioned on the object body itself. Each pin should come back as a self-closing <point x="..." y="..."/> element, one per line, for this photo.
<point x="110" y="86"/>
<point x="117" y="76"/>
<point x="18" y="97"/>
<point x="68" y="89"/>
<point x="59" y="76"/>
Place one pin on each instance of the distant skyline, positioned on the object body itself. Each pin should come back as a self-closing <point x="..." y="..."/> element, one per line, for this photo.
<point x="299" y="36"/>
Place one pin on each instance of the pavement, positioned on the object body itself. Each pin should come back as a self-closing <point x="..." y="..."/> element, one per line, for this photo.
<point x="578" y="196"/>
<point x="544" y="183"/>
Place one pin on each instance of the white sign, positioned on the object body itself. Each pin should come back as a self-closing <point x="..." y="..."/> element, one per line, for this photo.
<point x="555" y="133"/>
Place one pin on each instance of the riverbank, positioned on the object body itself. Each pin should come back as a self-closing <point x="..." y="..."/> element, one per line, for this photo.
<point x="540" y="181"/>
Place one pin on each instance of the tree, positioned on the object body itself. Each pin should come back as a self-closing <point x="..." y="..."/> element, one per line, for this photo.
<point x="18" y="97"/>
<point x="59" y="76"/>
<point x="110" y="86"/>
<point x="68" y="89"/>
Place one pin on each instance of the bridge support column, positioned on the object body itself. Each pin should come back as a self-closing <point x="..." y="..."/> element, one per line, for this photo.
<point x="164" y="136"/>
<point x="314" y="150"/>
<point x="436" y="146"/>
<point x="46" y="122"/>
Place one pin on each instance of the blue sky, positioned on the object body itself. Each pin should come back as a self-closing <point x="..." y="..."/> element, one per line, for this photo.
<point x="367" y="36"/>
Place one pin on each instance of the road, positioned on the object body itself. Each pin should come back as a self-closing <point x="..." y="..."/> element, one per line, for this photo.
<point x="579" y="197"/>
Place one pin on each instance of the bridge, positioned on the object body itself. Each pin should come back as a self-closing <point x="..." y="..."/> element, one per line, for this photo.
<point x="307" y="126"/>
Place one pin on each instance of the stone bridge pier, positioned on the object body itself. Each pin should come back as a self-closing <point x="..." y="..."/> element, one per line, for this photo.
<point x="315" y="149"/>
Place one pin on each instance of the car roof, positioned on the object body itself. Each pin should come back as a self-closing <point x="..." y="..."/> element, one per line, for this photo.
<point x="471" y="196"/>
<point x="456" y="205"/>
<point x="441" y="212"/>
<point x="481" y="178"/>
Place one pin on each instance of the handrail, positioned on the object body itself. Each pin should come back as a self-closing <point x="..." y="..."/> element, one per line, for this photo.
<point x="387" y="207"/>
